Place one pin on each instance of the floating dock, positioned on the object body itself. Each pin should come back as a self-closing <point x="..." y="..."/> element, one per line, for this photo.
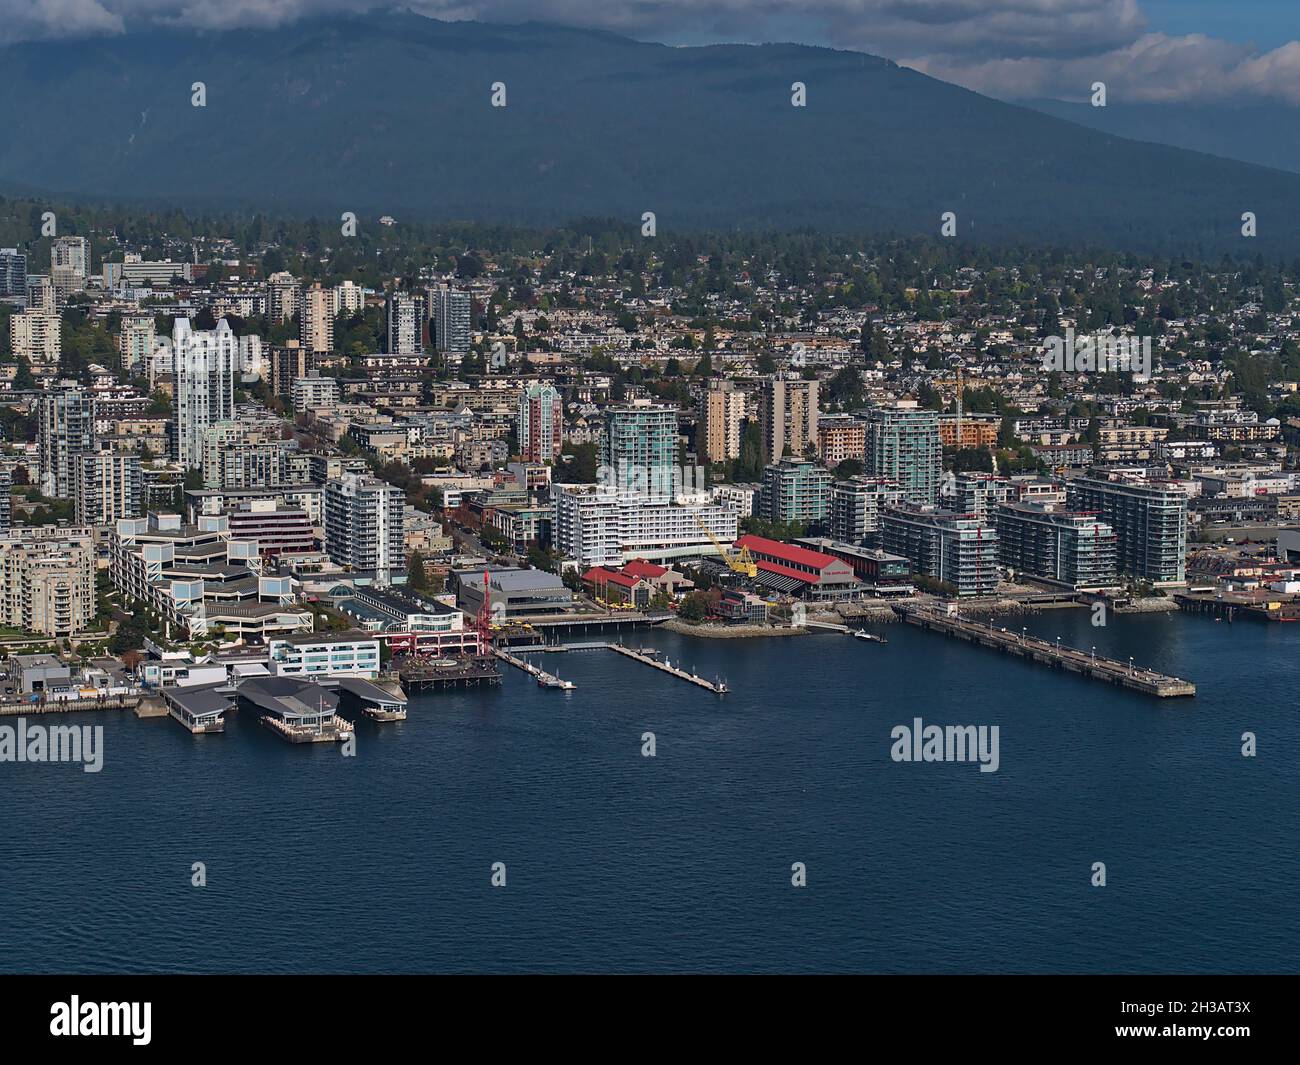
<point x="546" y="680"/>
<point x="717" y="686"/>
<point x="646" y="655"/>
<point x="1053" y="655"/>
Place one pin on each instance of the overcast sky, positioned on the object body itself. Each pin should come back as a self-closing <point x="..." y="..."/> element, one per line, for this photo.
<point x="1153" y="50"/>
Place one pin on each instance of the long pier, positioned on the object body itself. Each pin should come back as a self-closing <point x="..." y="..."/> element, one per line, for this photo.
<point x="546" y="680"/>
<point x="646" y="657"/>
<point x="1053" y="655"/>
<point x="719" y="687"/>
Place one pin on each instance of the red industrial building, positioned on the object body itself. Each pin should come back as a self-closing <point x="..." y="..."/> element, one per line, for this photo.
<point x="793" y="570"/>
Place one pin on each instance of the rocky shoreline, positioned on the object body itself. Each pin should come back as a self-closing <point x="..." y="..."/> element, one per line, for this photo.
<point x="730" y="632"/>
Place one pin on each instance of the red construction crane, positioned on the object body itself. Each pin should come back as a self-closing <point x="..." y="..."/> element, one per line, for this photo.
<point x="483" y="623"/>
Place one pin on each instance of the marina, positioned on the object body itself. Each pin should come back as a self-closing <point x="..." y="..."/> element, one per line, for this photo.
<point x="719" y="687"/>
<point x="645" y="655"/>
<point x="544" y="679"/>
<point x="1052" y="655"/>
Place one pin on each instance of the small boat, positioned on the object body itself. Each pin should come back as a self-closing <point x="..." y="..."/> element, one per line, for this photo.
<point x="861" y="634"/>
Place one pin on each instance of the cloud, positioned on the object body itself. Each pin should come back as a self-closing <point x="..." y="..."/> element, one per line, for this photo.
<point x="1009" y="48"/>
<point x="1155" y="68"/>
<point x="24" y="20"/>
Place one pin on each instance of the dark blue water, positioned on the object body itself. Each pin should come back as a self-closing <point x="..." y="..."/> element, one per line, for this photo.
<point x="382" y="862"/>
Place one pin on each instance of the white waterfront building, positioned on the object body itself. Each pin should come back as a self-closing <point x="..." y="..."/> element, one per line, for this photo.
<point x="597" y="525"/>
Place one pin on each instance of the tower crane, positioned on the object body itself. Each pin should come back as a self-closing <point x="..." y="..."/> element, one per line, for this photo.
<point x="738" y="561"/>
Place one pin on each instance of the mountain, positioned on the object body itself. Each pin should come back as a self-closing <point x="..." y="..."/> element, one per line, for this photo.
<point x="1263" y="133"/>
<point x="391" y="114"/>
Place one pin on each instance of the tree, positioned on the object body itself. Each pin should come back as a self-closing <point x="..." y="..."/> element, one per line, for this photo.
<point x="416" y="578"/>
<point x="23" y="378"/>
<point x="694" y="608"/>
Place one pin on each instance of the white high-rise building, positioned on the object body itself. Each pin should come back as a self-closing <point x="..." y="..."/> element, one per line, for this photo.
<point x="405" y="324"/>
<point x="596" y="525"/>
<point x="349" y="298"/>
<point x="107" y="485"/>
<point x="204" y="365"/>
<point x="452" y="314"/>
<point x="364" y="526"/>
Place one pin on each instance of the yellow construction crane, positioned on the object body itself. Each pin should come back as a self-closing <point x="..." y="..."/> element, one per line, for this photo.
<point x="739" y="562"/>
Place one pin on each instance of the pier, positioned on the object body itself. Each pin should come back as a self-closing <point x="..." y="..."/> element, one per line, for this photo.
<point x="69" y="706"/>
<point x="646" y="655"/>
<point x="201" y="709"/>
<point x="1053" y="655"/>
<point x="719" y="687"/>
<point x="359" y="696"/>
<point x="1272" y="607"/>
<point x="295" y="710"/>
<point x="432" y="674"/>
<point x="546" y="680"/>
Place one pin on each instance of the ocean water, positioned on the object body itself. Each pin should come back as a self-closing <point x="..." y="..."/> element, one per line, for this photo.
<point x="682" y="862"/>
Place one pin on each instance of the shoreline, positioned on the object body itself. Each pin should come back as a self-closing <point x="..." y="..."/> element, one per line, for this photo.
<point x="729" y="632"/>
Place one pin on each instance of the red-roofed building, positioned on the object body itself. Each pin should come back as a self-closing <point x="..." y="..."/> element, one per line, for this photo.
<point x="615" y="587"/>
<point x="664" y="580"/>
<point x="639" y="567"/>
<point x="798" y="571"/>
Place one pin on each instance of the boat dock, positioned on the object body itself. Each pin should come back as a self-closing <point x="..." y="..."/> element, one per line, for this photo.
<point x="1273" y="606"/>
<point x="1053" y="655"/>
<point x="717" y="686"/>
<point x="428" y="674"/>
<point x="647" y="655"/>
<point x="546" y="680"/>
